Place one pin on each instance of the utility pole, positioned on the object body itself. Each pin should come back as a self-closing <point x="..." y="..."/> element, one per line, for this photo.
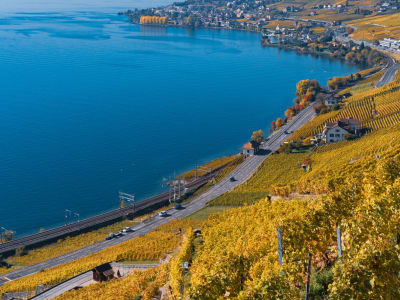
<point x="308" y="275"/>
<point x="130" y="198"/>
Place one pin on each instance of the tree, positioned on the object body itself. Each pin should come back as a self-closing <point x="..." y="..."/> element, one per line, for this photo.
<point x="21" y="251"/>
<point x="257" y="137"/>
<point x="273" y="125"/>
<point x="279" y="123"/>
<point x="306" y="90"/>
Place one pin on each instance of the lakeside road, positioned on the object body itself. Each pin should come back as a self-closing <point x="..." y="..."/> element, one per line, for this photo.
<point x="390" y="72"/>
<point x="391" y="67"/>
<point x="241" y="174"/>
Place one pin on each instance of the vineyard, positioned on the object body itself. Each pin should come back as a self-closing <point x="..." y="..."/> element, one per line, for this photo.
<point x="211" y="166"/>
<point x="64" y="246"/>
<point x="139" y="283"/>
<point x="379" y="108"/>
<point x="281" y="174"/>
<point x="152" y="246"/>
<point x="239" y="256"/>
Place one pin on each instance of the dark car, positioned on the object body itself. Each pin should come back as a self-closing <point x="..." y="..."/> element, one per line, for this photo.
<point x="110" y="236"/>
<point x="178" y="206"/>
<point x="232" y="179"/>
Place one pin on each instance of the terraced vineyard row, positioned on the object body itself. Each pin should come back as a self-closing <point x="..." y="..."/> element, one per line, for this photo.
<point x="385" y="121"/>
<point x="374" y="110"/>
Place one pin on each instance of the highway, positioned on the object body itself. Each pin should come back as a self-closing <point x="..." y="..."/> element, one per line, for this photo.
<point x="241" y="174"/>
<point x="76" y="227"/>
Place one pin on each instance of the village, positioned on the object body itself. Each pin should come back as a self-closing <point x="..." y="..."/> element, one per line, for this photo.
<point x="260" y="16"/>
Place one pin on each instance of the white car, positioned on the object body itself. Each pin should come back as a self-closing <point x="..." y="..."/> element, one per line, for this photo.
<point x="163" y="213"/>
<point x="127" y="229"/>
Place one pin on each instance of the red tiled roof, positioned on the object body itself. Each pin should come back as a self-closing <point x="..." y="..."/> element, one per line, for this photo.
<point x="248" y="146"/>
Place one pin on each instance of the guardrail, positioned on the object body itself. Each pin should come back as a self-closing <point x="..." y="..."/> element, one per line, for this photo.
<point x="97" y="220"/>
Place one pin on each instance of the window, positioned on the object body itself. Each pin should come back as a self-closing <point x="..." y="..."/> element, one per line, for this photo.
<point x="331" y="135"/>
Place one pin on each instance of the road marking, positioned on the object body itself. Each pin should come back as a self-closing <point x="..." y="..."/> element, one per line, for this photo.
<point x="6" y="278"/>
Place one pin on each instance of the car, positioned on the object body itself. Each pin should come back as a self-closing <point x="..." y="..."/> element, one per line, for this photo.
<point x="118" y="234"/>
<point x="232" y="179"/>
<point x="128" y="229"/>
<point x="178" y="206"/>
<point x="110" y="236"/>
<point x="163" y="213"/>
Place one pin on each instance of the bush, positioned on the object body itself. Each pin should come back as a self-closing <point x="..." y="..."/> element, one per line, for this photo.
<point x="21" y="251"/>
<point x="319" y="284"/>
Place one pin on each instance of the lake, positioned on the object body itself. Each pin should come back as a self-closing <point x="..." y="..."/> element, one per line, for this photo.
<point x="91" y="104"/>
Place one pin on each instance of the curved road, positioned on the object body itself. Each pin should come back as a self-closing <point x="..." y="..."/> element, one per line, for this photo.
<point x="241" y="174"/>
<point x="391" y="69"/>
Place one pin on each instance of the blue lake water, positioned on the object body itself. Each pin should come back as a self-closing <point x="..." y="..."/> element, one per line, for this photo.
<point x="91" y="104"/>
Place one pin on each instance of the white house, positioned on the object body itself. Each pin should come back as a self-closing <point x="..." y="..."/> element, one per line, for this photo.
<point x="336" y="132"/>
<point x="248" y="149"/>
<point x="330" y="100"/>
<point x="390" y="43"/>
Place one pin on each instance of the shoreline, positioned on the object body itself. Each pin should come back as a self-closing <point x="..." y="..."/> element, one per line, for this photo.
<point x="207" y="28"/>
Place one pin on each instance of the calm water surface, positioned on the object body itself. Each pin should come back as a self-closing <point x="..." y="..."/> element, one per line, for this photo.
<point x="91" y="104"/>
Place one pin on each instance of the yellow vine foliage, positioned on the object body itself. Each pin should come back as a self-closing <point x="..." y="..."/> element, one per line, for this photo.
<point x="239" y="257"/>
<point x="375" y="109"/>
<point x="184" y="255"/>
<point x="139" y="283"/>
<point x="152" y="246"/>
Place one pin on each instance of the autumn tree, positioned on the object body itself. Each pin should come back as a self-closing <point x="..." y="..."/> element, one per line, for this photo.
<point x="306" y="90"/>
<point x="279" y="123"/>
<point x="257" y="137"/>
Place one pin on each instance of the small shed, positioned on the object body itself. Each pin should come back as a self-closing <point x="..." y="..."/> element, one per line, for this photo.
<point x="103" y="272"/>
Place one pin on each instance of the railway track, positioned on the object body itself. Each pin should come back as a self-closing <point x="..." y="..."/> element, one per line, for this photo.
<point x="62" y="231"/>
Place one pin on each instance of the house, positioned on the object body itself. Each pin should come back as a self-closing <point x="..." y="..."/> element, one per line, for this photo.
<point x="307" y="165"/>
<point x="249" y="149"/>
<point x="103" y="272"/>
<point x="331" y="100"/>
<point x="337" y="131"/>
<point x="390" y="43"/>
